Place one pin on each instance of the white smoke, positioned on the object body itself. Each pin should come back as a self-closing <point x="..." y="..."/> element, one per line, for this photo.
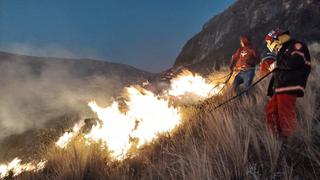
<point x="32" y="95"/>
<point x="314" y="48"/>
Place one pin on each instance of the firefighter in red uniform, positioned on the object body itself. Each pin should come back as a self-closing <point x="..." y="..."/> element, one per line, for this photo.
<point x="244" y="60"/>
<point x="290" y="74"/>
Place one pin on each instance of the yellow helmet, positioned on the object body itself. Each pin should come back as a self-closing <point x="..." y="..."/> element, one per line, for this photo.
<point x="276" y="38"/>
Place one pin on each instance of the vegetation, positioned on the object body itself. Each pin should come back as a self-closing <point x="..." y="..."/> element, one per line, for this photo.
<point x="228" y="143"/>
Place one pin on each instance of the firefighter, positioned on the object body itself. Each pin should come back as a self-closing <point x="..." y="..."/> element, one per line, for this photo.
<point x="243" y="63"/>
<point x="290" y="74"/>
<point x="265" y="63"/>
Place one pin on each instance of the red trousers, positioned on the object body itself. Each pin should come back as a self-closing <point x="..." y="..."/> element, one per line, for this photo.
<point x="281" y="116"/>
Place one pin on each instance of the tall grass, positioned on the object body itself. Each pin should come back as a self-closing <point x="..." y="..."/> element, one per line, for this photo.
<point x="228" y="143"/>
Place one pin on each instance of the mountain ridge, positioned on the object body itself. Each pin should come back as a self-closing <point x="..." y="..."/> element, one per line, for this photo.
<point x="5" y="56"/>
<point x="219" y="37"/>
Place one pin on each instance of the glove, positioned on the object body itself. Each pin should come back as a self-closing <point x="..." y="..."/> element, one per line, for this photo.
<point x="273" y="66"/>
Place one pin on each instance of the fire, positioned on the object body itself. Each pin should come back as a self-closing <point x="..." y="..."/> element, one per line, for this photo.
<point x="154" y="115"/>
<point x="146" y="117"/>
<point x="15" y="167"/>
<point x="114" y="131"/>
<point x="194" y="84"/>
<point x="67" y="136"/>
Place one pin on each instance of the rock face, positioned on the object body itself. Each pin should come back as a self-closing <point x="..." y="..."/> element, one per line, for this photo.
<point x="219" y="37"/>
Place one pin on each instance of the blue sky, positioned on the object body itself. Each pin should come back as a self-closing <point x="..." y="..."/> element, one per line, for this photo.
<point x="147" y="34"/>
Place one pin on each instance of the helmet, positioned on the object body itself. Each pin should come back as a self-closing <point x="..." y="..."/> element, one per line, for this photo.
<point x="276" y="38"/>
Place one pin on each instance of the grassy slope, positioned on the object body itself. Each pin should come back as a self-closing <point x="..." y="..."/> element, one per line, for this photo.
<point x="229" y="143"/>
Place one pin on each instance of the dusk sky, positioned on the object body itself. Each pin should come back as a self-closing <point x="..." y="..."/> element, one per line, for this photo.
<point x="146" y="34"/>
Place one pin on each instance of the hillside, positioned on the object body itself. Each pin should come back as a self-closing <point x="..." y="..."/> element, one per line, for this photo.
<point x="78" y="68"/>
<point x="209" y="144"/>
<point x="219" y="37"/>
<point x="36" y="89"/>
<point x="169" y="129"/>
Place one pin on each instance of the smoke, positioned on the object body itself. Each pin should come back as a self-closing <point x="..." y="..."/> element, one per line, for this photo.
<point x="315" y="49"/>
<point x="48" y="50"/>
<point x="34" y="91"/>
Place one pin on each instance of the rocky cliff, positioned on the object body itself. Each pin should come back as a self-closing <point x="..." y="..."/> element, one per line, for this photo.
<point x="219" y="37"/>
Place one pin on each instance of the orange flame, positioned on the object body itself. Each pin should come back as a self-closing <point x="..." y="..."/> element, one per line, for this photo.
<point x="147" y="115"/>
<point x="65" y="139"/>
<point x="188" y="83"/>
<point x="15" y="167"/>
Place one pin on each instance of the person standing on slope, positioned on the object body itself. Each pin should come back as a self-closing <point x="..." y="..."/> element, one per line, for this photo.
<point x="290" y="74"/>
<point x="243" y="63"/>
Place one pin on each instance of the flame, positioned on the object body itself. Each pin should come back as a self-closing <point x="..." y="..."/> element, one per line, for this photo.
<point x="114" y="131"/>
<point x="154" y="114"/>
<point x="15" y="167"/>
<point x="65" y="139"/>
<point x="189" y="83"/>
<point x="147" y="116"/>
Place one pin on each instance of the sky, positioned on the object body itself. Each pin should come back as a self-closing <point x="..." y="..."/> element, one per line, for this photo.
<point x="146" y="34"/>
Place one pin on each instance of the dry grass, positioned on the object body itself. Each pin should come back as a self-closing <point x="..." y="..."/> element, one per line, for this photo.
<point x="228" y="143"/>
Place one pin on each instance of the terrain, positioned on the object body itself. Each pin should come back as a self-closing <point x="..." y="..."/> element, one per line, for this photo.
<point x="219" y="37"/>
<point x="43" y="98"/>
<point x="226" y="143"/>
<point x="38" y="92"/>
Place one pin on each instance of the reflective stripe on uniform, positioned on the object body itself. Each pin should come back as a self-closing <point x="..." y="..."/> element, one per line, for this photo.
<point x="289" y="88"/>
<point x="302" y="55"/>
<point x="269" y="57"/>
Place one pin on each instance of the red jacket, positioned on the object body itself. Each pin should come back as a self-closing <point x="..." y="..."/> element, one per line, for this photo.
<point x="266" y="61"/>
<point x="245" y="57"/>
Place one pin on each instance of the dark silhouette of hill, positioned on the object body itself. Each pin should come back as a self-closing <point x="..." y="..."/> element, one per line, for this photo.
<point x="219" y="37"/>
